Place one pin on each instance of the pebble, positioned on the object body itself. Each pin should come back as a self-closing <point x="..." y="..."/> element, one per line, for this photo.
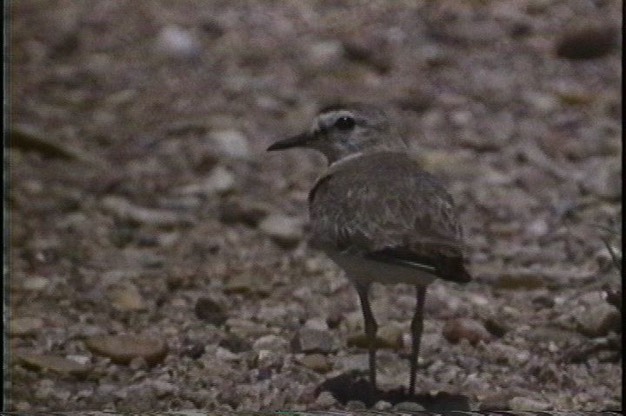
<point x="373" y="54"/>
<point x="465" y="328"/>
<point x="382" y="406"/>
<point x="266" y="359"/>
<point x="598" y="320"/>
<point x="25" y="326"/>
<point x="247" y="283"/>
<point x="358" y="362"/>
<point x="176" y="42"/>
<point x="325" y="400"/>
<point x="219" y="181"/>
<point x="124" y="210"/>
<point x="527" y="404"/>
<point x="408" y="407"/>
<point x="125" y="297"/>
<point x="270" y="342"/>
<point x="163" y="388"/>
<point x="587" y="42"/>
<point x="30" y="138"/>
<point x="235" y="344"/>
<point x="284" y="230"/>
<point x="316" y="362"/>
<point x="52" y="362"/>
<point x="319" y="324"/>
<point x="606" y="182"/>
<point x="244" y="328"/>
<point x="325" y="53"/>
<point x="314" y="340"/>
<point x="355" y="405"/>
<point x="390" y="336"/>
<point x="122" y="349"/>
<point x="496" y="401"/>
<point x="231" y="143"/>
<point x="224" y="354"/>
<point x="210" y="311"/>
<point x="35" y="283"/>
<point x="240" y="210"/>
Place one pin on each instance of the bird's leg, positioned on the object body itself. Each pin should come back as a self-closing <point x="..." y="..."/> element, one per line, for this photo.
<point x="371" y="327"/>
<point x="416" y="329"/>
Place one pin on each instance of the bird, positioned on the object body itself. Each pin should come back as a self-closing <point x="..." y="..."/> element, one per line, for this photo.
<point x="378" y="215"/>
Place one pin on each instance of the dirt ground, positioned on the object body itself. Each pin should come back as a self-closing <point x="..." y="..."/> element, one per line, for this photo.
<point x="158" y="256"/>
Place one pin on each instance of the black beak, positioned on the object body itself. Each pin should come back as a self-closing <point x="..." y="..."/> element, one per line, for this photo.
<point x="295" y="141"/>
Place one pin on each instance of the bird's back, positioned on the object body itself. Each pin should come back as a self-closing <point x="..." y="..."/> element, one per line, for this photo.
<point x="382" y="208"/>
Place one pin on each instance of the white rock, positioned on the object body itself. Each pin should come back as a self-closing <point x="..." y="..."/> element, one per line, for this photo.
<point x="270" y="342"/>
<point x="176" y="42"/>
<point x="35" y="283"/>
<point x="527" y="404"/>
<point x="231" y="143"/>
<point x="25" y="326"/>
<point x="219" y="181"/>
<point x="286" y="231"/>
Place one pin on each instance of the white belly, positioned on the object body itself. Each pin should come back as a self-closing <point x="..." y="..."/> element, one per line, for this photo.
<point x="364" y="270"/>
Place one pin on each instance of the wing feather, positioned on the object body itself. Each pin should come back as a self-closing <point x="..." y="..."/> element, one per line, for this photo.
<point x="384" y="203"/>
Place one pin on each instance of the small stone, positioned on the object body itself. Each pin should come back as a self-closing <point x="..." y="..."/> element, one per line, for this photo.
<point x="408" y="407"/>
<point x="496" y="401"/>
<point x="528" y="404"/>
<point x="314" y="340"/>
<point x="284" y="230"/>
<point x="235" y="344"/>
<point x="383" y="406"/>
<point x="36" y="283"/>
<point x="266" y="359"/>
<point x="125" y="297"/>
<point x="236" y="209"/>
<point x="223" y="354"/>
<point x="325" y="53"/>
<point x="126" y="211"/>
<point x="606" y="182"/>
<point x="122" y="349"/>
<point x="373" y="53"/>
<point x="270" y="342"/>
<point x="543" y="103"/>
<point x="30" y="138"/>
<point x="245" y="328"/>
<point x="325" y="400"/>
<point x="316" y="362"/>
<point x="219" y="181"/>
<point x="178" y="43"/>
<point x="52" y="362"/>
<point x="464" y="328"/>
<point x="390" y="336"/>
<point x="354" y="362"/>
<point x="319" y="324"/>
<point x="598" y="320"/>
<point x="522" y="280"/>
<point x="246" y="283"/>
<point x="163" y="388"/>
<point x="25" y="326"/>
<point x="209" y="311"/>
<point x="355" y="405"/>
<point x="231" y="143"/>
<point x="23" y="407"/>
<point x="587" y="42"/>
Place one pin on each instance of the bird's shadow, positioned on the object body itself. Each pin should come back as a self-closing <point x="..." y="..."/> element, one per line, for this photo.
<point x="353" y="386"/>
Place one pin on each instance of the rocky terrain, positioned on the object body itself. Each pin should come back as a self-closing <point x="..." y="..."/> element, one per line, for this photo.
<point x="157" y="254"/>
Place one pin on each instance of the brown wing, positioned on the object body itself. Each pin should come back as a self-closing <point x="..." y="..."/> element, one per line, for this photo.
<point x="383" y="206"/>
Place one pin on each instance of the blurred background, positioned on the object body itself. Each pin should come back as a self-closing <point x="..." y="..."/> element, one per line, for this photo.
<point x="157" y="255"/>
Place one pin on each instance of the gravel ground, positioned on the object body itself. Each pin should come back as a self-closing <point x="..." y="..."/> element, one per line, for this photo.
<point x="158" y="255"/>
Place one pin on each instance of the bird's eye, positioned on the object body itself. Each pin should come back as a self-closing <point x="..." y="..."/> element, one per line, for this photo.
<point x="345" y="123"/>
